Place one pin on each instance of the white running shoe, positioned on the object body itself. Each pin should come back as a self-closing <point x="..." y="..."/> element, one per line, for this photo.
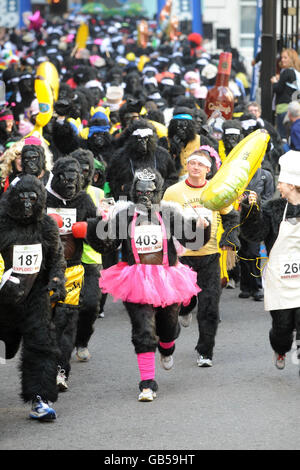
<point x="203" y="361"/>
<point x="167" y="362"/>
<point x="83" y="354"/>
<point x="61" y="380"/>
<point x="147" y="395"/>
<point x="185" y="320"/>
<point x="279" y="361"/>
<point x="41" y="410"/>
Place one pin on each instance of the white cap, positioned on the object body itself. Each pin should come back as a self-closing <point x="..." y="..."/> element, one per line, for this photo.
<point x="290" y="168"/>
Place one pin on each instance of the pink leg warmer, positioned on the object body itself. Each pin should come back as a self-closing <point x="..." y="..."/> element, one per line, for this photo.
<point x="167" y="345"/>
<point x="146" y="363"/>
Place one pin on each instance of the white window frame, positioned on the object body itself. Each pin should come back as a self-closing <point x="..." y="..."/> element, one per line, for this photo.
<point x="246" y="3"/>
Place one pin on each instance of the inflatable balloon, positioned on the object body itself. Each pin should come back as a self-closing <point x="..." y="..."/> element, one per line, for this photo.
<point x="236" y="171"/>
<point x="142" y="62"/>
<point x="45" y="98"/>
<point x="2" y="267"/>
<point x="162" y="131"/>
<point x="82" y="36"/>
<point x="48" y="71"/>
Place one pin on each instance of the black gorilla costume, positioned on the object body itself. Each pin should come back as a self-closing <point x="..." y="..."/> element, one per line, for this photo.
<point x="140" y="150"/>
<point x="154" y="319"/>
<point x="64" y="138"/>
<point x="181" y="133"/>
<point x="64" y="193"/>
<point x="262" y="223"/>
<point x="33" y="162"/>
<point x="232" y="134"/>
<point x="30" y="244"/>
<point x="99" y="140"/>
<point x="91" y="294"/>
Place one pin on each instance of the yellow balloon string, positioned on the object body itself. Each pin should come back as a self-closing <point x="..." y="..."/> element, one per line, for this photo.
<point x="235" y="248"/>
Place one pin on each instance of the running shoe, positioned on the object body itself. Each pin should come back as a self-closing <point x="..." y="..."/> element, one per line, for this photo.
<point x="185" y="320"/>
<point x="83" y="354"/>
<point x="41" y="410"/>
<point x="167" y="362"/>
<point x="203" y="361"/>
<point x="279" y="360"/>
<point x="147" y="395"/>
<point x="61" y="380"/>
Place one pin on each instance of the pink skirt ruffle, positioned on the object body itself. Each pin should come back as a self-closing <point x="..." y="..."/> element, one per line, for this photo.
<point x="152" y="284"/>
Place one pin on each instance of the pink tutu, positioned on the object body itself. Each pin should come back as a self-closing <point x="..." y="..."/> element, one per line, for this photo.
<point x="152" y="284"/>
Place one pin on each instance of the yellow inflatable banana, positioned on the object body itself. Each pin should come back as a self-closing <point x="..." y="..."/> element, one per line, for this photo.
<point x="45" y="98"/>
<point x="142" y="62"/>
<point x="2" y="267"/>
<point x="162" y="131"/>
<point x="236" y="172"/>
<point x="82" y="36"/>
<point x="49" y="72"/>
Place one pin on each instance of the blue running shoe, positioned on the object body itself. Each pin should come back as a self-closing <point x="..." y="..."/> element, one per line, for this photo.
<point x="41" y="410"/>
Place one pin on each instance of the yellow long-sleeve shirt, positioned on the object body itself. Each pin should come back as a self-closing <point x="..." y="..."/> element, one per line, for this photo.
<point x="189" y="199"/>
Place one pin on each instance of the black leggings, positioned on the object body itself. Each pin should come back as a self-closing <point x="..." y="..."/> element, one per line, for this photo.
<point x="284" y="322"/>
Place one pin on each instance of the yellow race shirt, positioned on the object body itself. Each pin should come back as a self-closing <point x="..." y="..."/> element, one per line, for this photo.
<point x="189" y="199"/>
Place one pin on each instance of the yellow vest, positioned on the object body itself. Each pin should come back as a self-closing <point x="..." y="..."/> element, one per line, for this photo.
<point x="90" y="256"/>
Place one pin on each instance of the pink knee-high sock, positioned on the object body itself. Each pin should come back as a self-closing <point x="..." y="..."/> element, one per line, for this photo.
<point x="146" y="363"/>
<point x="167" y="345"/>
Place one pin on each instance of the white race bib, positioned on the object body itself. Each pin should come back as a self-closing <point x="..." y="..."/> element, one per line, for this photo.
<point x="27" y="259"/>
<point x="148" y="238"/>
<point x="69" y="217"/>
<point x="289" y="267"/>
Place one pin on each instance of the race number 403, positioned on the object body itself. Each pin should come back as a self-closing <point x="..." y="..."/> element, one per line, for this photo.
<point x="27" y="259"/>
<point x="290" y="268"/>
<point x="148" y="238"/>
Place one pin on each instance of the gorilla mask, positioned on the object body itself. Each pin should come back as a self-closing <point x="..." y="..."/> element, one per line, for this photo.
<point x="67" y="178"/>
<point x="146" y="188"/>
<point x="85" y="159"/>
<point x="26" y="200"/>
<point x="33" y="160"/>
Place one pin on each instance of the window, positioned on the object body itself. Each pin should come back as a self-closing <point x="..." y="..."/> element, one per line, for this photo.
<point x="247" y="24"/>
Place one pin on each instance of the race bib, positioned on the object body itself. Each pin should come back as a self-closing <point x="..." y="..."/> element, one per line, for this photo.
<point x="69" y="217"/>
<point x="289" y="268"/>
<point x="27" y="259"/>
<point x="148" y="238"/>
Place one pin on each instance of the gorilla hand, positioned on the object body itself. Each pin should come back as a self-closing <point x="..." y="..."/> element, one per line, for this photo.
<point x="11" y="292"/>
<point x="57" y="290"/>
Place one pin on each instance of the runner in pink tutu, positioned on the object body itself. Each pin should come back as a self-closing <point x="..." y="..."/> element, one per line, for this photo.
<point x="149" y="280"/>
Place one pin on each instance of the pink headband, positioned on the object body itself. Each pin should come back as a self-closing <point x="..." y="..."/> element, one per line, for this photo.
<point x="7" y="117"/>
<point x="33" y="141"/>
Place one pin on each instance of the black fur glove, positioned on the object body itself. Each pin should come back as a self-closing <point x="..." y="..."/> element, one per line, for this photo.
<point x="57" y="286"/>
<point x="12" y="292"/>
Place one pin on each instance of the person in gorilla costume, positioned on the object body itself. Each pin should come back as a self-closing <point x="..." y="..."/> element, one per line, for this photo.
<point x="145" y="228"/>
<point x="91" y="261"/>
<point x="66" y="199"/>
<point x="99" y="140"/>
<point x="31" y="247"/>
<point x="183" y="139"/>
<point x="33" y="160"/>
<point x="64" y="137"/>
<point x="140" y="150"/>
<point x="232" y="135"/>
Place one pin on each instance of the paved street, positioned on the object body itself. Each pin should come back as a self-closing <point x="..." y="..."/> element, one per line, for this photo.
<point x="243" y="402"/>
